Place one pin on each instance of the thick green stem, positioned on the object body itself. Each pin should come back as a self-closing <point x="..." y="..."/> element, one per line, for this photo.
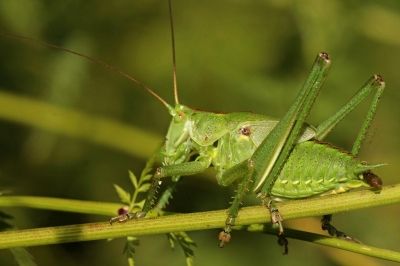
<point x="188" y="222"/>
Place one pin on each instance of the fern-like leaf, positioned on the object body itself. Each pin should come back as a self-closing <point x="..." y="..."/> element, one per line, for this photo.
<point x="133" y="179"/>
<point x="129" y="248"/>
<point x="123" y="195"/>
<point x="186" y="244"/>
<point x="144" y="188"/>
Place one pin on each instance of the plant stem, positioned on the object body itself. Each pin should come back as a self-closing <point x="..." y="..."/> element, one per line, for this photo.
<point x="327" y="241"/>
<point x="56" y="204"/>
<point x="189" y="222"/>
<point x="77" y="124"/>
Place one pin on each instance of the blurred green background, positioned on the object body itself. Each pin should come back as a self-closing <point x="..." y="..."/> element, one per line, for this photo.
<point x="231" y="56"/>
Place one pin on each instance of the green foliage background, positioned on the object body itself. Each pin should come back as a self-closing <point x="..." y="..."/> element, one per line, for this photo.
<point x="231" y="56"/>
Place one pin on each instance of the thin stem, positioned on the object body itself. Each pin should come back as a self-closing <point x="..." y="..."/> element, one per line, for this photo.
<point x="326" y="241"/>
<point x="56" y="204"/>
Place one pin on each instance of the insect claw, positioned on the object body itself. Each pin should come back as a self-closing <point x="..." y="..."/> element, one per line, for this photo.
<point x="224" y="237"/>
<point x="282" y="241"/>
<point x="112" y="220"/>
<point x="128" y="216"/>
<point x="352" y="239"/>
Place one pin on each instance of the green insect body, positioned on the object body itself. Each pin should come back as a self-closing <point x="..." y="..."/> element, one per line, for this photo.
<point x="259" y="154"/>
<point x="221" y="140"/>
<point x="282" y="159"/>
<point x="225" y="140"/>
<point x="314" y="169"/>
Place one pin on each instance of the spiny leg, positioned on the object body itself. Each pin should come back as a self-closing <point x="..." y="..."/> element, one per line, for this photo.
<point x="123" y="212"/>
<point x="146" y="207"/>
<point x="289" y="127"/>
<point x="183" y="169"/>
<point x="378" y="82"/>
<point x="374" y="83"/>
<point x="167" y="195"/>
<point x="276" y="218"/>
<point x="272" y="153"/>
<point x="260" y="171"/>
<point x="373" y="180"/>
<point x="245" y="169"/>
<point x="162" y="202"/>
<point x="327" y="226"/>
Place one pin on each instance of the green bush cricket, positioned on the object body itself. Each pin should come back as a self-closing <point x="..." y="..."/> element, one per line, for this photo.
<point x="244" y="135"/>
<point x="278" y="159"/>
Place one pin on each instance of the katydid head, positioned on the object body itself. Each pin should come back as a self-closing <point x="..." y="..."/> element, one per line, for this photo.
<point x="177" y="142"/>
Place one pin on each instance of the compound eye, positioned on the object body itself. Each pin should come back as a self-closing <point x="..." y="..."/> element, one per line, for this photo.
<point x="179" y="117"/>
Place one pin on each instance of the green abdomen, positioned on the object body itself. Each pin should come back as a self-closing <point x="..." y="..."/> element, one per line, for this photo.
<point x="317" y="169"/>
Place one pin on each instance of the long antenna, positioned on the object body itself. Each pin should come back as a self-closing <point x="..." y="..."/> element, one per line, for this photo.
<point x="87" y="57"/>
<point x="173" y="53"/>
